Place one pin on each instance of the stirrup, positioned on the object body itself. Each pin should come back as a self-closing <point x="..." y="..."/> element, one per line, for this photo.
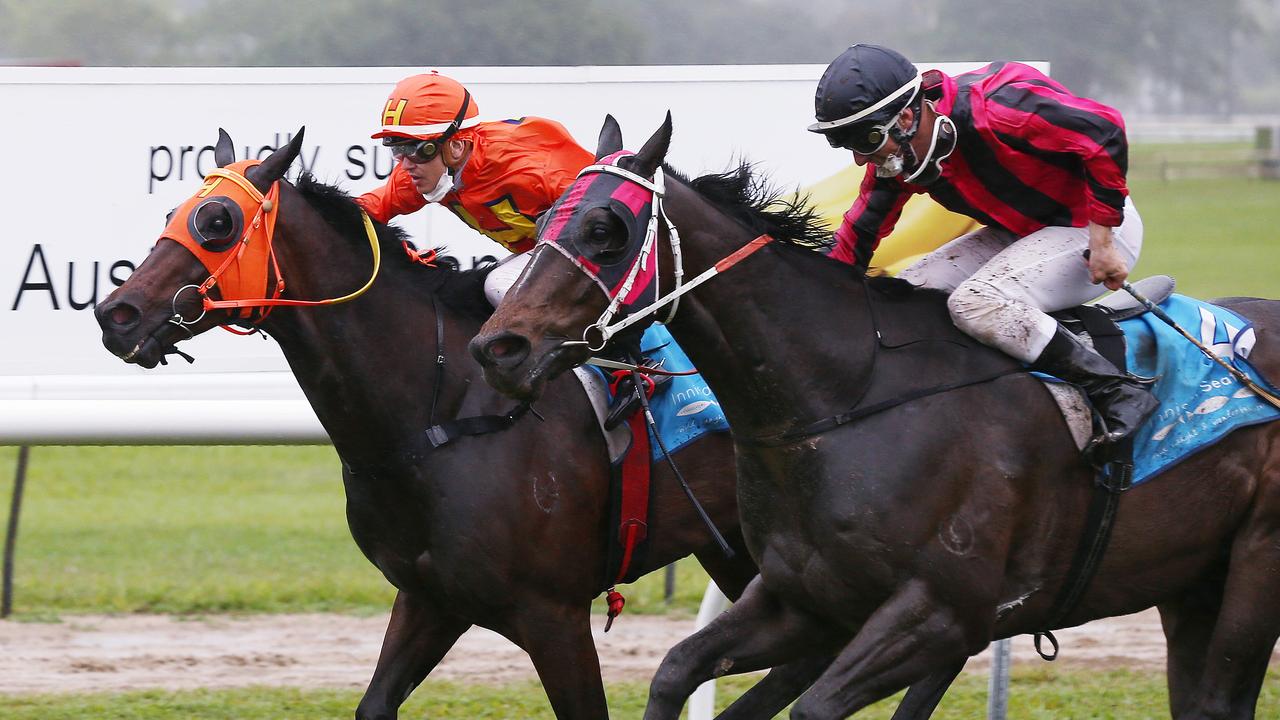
<point x="626" y="401"/>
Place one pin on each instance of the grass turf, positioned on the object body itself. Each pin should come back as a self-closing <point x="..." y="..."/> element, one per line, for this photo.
<point x="1037" y="693"/>
<point x="206" y="529"/>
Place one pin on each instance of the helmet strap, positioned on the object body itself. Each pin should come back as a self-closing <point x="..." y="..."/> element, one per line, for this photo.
<point x="456" y="124"/>
<point x="941" y="145"/>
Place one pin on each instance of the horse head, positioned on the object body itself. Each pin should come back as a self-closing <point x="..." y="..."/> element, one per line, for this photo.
<point x="597" y="261"/>
<point x="215" y="247"/>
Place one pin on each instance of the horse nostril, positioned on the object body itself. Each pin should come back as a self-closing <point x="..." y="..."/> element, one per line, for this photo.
<point x="122" y="316"/>
<point x="507" y="349"/>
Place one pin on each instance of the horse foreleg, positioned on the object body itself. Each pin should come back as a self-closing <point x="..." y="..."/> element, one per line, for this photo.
<point x="758" y="632"/>
<point x="923" y="696"/>
<point x="558" y="640"/>
<point x="784" y="684"/>
<point x="418" y="636"/>
<point x="779" y="688"/>
<point x="911" y="636"/>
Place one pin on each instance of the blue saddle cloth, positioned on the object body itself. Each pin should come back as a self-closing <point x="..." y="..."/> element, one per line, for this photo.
<point x="1199" y="400"/>
<point x="684" y="408"/>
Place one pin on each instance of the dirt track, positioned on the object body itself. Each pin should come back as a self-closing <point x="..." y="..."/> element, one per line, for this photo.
<point x="95" y="653"/>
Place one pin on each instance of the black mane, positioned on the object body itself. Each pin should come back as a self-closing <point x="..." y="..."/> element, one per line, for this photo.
<point x="341" y="211"/>
<point x="461" y="289"/>
<point x="748" y="197"/>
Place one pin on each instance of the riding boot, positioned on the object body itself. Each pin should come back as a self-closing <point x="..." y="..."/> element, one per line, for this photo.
<point x="1121" y="399"/>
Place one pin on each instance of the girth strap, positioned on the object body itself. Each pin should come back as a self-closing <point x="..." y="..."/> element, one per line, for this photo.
<point x="1115" y="475"/>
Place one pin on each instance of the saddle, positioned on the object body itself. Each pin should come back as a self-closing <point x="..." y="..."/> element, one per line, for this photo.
<point x="1120" y="305"/>
<point x="1098" y="326"/>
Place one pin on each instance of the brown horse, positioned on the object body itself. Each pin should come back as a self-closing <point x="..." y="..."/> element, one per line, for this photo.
<point x="930" y="524"/>
<point x="506" y="531"/>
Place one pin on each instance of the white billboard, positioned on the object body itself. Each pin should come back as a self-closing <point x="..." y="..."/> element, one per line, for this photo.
<point x="94" y="158"/>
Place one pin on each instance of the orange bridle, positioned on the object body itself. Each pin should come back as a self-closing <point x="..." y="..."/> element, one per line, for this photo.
<point x="241" y="267"/>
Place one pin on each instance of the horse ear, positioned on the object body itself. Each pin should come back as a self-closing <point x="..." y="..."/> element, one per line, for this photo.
<point x="224" y="153"/>
<point x="654" y="151"/>
<point x="277" y="163"/>
<point x="610" y="138"/>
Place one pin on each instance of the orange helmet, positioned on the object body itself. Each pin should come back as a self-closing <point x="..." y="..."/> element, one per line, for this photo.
<point x="426" y="106"/>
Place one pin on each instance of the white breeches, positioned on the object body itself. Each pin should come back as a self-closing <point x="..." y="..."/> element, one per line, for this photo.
<point x="1001" y="285"/>
<point x="501" y="278"/>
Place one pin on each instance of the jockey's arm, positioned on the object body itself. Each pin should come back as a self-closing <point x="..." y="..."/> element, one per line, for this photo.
<point x="872" y="217"/>
<point x="1106" y="264"/>
<point x="398" y="196"/>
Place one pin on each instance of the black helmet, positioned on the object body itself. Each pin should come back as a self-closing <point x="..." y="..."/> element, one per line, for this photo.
<point x="865" y="84"/>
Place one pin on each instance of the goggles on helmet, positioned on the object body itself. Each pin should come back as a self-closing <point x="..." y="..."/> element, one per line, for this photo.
<point x="418" y="151"/>
<point x="862" y="139"/>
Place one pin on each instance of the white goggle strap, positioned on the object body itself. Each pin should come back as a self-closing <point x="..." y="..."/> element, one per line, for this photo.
<point x="912" y="86"/>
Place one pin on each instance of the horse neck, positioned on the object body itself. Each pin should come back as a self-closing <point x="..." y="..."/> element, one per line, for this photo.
<point x="367" y="366"/>
<point x="784" y="338"/>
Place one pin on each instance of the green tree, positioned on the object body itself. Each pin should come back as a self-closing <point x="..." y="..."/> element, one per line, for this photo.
<point x="430" y="32"/>
<point x="121" y="32"/>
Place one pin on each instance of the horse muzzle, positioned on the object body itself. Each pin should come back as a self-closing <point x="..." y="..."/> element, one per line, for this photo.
<point x="125" y="336"/>
<point x="514" y="367"/>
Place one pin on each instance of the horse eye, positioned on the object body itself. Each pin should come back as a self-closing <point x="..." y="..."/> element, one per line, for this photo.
<point x="603" y="244"/>
<point x="214" y="221"/>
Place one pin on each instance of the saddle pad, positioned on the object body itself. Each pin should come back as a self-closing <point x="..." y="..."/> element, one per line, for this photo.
<point x="594" y="384"/>
<point x="1199" y="400"/>
<point x="684" y="409"/>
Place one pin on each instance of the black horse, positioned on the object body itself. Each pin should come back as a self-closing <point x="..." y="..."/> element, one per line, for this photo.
<point x="506" y="531"/>
<point x="926" y="529"/>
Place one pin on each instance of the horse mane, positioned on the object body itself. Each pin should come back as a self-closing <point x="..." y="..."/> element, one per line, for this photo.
<point x="460" y="289"/>
<point x="748" y="197"/>
<point x="791" y="220"/>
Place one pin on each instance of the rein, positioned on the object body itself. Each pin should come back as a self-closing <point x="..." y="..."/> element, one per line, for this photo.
<point x="254" y="248"/>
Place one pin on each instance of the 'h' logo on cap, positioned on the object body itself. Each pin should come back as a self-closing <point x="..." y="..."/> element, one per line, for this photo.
<point x="391" y="114"/>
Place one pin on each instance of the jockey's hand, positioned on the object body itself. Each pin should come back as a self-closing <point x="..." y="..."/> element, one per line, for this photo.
<point x="1106" y="264"/>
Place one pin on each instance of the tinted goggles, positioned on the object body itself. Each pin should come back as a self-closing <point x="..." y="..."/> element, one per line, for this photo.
<point x="419" y="151"/>
<point x="862" y="139"/>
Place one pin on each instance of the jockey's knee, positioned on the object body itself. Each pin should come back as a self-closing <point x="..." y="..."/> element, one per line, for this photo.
<point x="995" y="317"/>
<point x="975" y="305"/>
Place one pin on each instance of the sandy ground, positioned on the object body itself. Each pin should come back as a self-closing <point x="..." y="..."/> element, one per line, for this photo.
<point x="95" y="653"/>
